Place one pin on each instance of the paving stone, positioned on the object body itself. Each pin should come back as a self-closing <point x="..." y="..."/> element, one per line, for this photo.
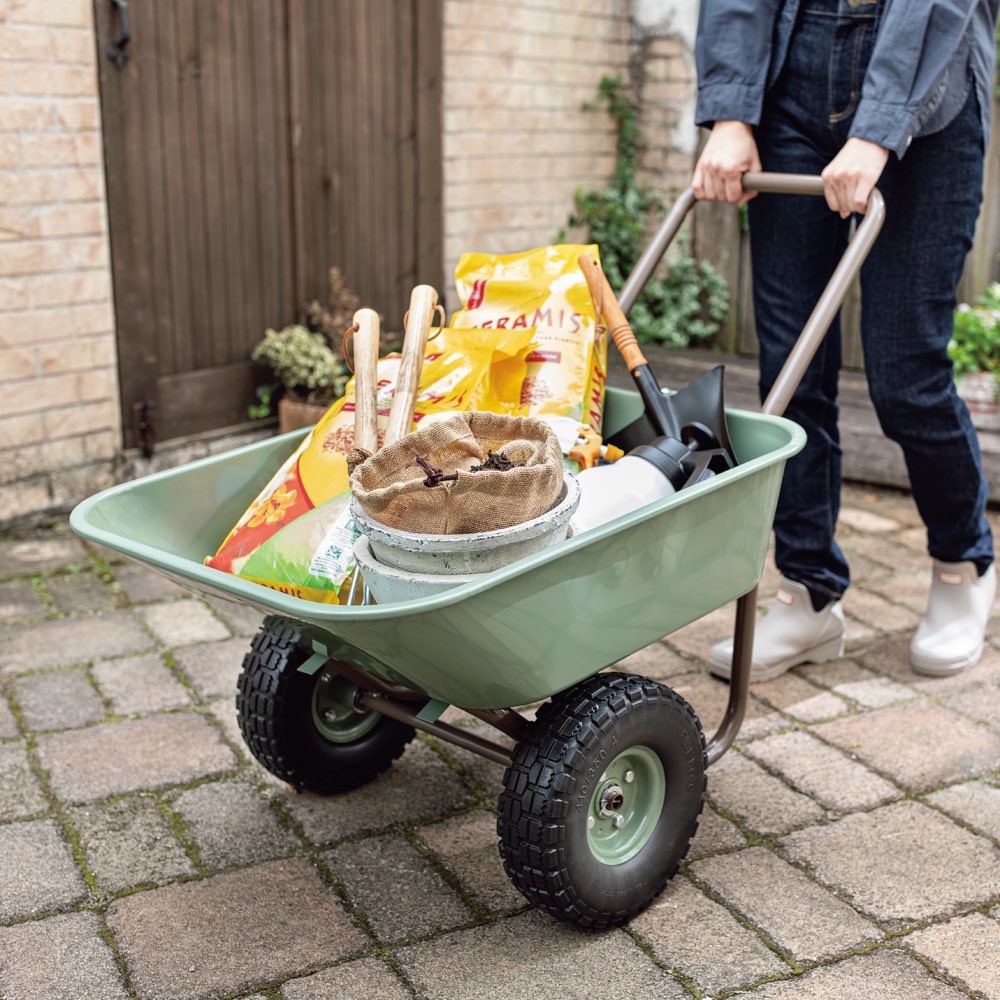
<point x="866" y="520"/>
<point x="979" y="703"/>
<point x="897" y="504"/>
<point x="708" y="697"/>
<point x="125" y="757"/>
<point x="901" y="863"/>
<point x="896" y="742"/>
<point x="213" y="667"/>
<point x="19" y="600"/>
<point x="39" y="555"/>
<point x="182" y="623"/>
<point x="419" y="786"/>
<point x="822" y="772"/>
<point x="882" y="550"/>
<point x="467" y="846"/>
<point x="128" y="843"/>
<point x="228" y="933"/>
<point x="884" y="975"/>
<point x="703" y="941"/>
<point x="36" y="870"/>
<point x="856" y="635"/>
<point x="20" y="793"/>
<point x="223" y="711"/>
<point x="834" y="673"/>
<point x="369" y="979"/>
<point x="714" y="834"/>
<point x="80" y="592"/>
<point x="142" y="585"/>
<point x="396" y="888"/>
<point x="241" y="618"/>
<point x="8" y="722"/>
<point x="231" y="823"/>
<point x="876" y="692"/>
<point x="656" y="661"/>
<point x="61" y="699"/>
<point x="891" y="656"/>
<point x="966" y="949"/>
<point x="909" y="589"/>
<point x="740" y="787"/>
<point x="60" y="958"/>
<point x="524" y="951"/>
<point x="803" y="919"/>
<point x="976" y="803"/>
<point x="698" y="638"/>
<point x="70" y="640"/>
<point x="139" y="684"/>
<point x="875" y="611"/>
<point x="798" y="698"/>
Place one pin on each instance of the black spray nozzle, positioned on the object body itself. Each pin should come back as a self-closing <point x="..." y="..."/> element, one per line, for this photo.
<point x="693" y="439"/>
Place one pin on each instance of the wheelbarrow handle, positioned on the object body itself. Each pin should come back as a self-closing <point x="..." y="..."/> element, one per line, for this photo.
<point x="829" y="302"/>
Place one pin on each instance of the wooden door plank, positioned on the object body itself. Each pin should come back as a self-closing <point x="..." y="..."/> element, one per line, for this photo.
<point x="429" y="20"/>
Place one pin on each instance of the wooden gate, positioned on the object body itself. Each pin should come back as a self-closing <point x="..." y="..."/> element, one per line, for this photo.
<point x="249" y="146"/>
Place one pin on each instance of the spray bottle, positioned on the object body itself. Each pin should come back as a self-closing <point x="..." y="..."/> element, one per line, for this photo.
<point x="692" y="442"/>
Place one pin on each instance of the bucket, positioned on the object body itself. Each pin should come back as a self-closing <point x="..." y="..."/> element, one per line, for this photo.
<point x="478" y="552"/>
<point x="390" y="585"/>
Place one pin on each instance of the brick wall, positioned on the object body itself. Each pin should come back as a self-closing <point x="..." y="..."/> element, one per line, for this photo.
<point x="517" y="143"/>
<point x="59" y="416"/>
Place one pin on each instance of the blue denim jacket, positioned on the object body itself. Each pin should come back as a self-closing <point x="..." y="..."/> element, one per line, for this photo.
<point x="917" y="80"/>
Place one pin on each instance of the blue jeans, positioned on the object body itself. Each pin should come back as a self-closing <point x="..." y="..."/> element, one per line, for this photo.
<point x="908" y="287"/>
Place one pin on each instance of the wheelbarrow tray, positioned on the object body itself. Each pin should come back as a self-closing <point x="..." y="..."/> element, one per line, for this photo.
<point x="517" y="635"/>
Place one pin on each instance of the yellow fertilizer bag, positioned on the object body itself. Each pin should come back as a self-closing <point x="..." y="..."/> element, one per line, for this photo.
<point x="297" y="535"/>
<point x="544" y="289"/>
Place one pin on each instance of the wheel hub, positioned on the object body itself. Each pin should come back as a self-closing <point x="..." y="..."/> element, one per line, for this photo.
<point x="333" y="709"/>
<point x="626" y="805"/>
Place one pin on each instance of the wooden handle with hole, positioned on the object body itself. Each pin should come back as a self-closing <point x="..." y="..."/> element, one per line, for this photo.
<point x="366" y="380"/>
<point x="423" y="299"/>
<point x="605" y="301"/>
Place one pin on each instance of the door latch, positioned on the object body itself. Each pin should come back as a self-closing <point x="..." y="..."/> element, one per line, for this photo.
<point x="118" y="51"/>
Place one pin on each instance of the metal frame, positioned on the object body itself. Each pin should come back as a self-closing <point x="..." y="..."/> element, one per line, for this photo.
<point x="398" y="702"/>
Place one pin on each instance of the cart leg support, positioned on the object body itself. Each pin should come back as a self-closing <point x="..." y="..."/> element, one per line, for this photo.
<point x="739" y="681"/>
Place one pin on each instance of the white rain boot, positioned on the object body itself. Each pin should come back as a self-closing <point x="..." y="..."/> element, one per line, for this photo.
<point x="790" y="633"/>
<point x="951" y="635"/>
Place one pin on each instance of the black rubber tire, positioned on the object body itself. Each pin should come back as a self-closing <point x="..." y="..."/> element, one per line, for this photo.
<point x="548" y="788"/>
<point x="274" y="708"/>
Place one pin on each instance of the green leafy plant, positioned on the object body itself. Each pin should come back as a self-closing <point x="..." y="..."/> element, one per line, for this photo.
<point x="686" y="303"/>
<point x="975" y="341"/>
<point x="307" y="369"/>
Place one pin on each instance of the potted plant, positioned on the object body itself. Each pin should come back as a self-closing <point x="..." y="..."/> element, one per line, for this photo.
<point x="975" y="353"/>
<point x="309" y="374"/>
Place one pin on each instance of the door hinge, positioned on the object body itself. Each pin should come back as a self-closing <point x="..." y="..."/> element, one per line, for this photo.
<point x="144" y="431"/>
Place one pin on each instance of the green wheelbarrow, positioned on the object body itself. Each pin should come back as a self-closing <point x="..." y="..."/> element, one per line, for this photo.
<point x="603" y="788"/>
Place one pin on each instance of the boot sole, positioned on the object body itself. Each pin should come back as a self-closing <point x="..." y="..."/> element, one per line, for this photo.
<point x="930" y="668"/>
<point x="832" y="649"/>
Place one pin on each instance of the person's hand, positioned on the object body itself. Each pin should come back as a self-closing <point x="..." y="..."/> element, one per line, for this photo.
<point x="729" y="153"/>
<point x="851" y="175"/>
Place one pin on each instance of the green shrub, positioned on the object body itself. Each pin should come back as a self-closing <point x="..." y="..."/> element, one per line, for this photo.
<point x="975" y="341"/>
<point x="303" y="364"/>
<point x="682" y="305"/>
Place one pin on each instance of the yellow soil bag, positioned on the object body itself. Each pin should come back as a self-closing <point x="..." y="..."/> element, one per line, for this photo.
<point x="296" y="537"/>
<point x="544" y="289"/>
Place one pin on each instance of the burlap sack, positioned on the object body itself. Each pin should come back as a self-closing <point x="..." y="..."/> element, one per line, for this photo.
<point x="393" y="488"/>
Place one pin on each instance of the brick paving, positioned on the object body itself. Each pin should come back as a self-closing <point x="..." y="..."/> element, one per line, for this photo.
<point x="849" y="847"/>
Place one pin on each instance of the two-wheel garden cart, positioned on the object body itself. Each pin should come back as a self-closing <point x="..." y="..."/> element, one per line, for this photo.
<point x="603" y="789"/>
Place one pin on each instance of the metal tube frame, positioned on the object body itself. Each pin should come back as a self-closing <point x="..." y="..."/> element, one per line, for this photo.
<point x="781" y="392"/>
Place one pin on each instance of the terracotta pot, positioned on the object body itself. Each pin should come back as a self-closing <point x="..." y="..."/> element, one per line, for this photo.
<point x="292" y="414"/>
<point x="979" y="390"/>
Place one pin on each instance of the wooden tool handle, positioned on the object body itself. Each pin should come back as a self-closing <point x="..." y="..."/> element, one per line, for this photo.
<point x="423" y="299"/>
<point x="606" y="303"/>
<point x="365" y="380"/>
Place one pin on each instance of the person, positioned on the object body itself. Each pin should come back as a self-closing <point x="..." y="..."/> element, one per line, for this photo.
<point x="863" y="92"/>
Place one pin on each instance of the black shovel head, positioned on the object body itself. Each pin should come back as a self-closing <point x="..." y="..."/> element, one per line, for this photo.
<point x="700" y="408"/>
